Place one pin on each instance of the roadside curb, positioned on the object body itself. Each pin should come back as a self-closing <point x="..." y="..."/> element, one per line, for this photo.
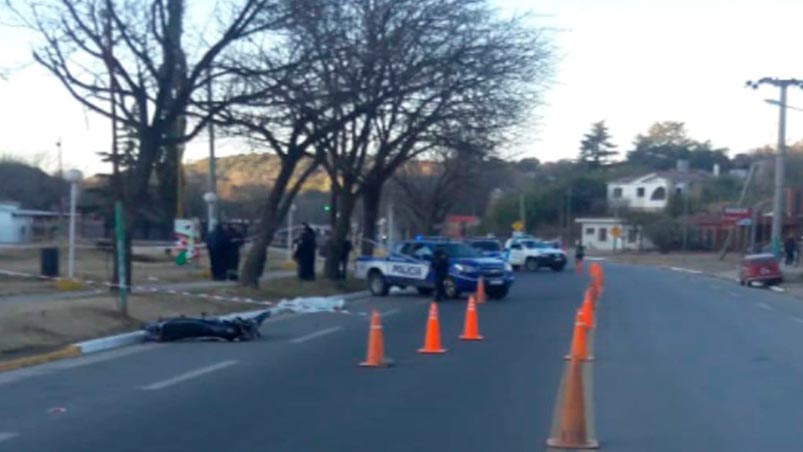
<point x="70" y="351"/>
<point x="116" y="341"/>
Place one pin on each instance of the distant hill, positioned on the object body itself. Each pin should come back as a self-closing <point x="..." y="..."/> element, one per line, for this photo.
<point x="30" y="186"/>
<point x="239" y="172"/>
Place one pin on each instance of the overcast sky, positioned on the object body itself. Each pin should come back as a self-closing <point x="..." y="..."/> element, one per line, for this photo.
<point x="629" y="62"/>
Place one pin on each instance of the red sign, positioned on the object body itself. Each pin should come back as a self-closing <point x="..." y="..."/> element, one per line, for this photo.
<point x="735" y="214"/>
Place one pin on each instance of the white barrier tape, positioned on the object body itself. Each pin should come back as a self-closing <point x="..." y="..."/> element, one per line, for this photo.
<point x="138" y="288"/>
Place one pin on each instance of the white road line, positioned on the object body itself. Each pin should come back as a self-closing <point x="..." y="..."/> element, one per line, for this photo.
<point x="777" y="289"/>
<point x="734" y="294"/>
<point x="189" y="375"/>
<point x="316" y="334"/>
<point x="765" y="306"/>
<point x="6" y="436"/>
<point x="797" y="319"/>
<point x="390" y="312"/>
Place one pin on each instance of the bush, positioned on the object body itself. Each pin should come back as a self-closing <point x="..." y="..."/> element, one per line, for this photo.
<point x="664" y="233"/>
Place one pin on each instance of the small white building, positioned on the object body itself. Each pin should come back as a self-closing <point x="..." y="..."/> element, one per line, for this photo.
<point x="14" y="228"/>
<point x="19" y="225"/>
<point x="611" y="234"/>
<point x="651" y="192"/>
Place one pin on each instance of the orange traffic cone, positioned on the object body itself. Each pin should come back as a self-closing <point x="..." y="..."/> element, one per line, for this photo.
<point x="594" y="292"/>
<point x="572" y="429"/>
<point x="471" y="328"/>
<point x="579" y="347"/>
<point x="588" y="310"/>
<point x="481" y="290"/>
<point x="432" y="339"/>
<point x="376" y="348"/>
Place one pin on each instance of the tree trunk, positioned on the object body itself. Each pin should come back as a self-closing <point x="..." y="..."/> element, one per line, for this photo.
<point x="255" y="261"/>
<point x="346" y="202"/>
<point x="371" y="202"/>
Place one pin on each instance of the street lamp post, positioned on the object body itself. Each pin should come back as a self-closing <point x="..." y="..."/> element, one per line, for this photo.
<point x="211" y="202"/>
<point x="780" y="156"/>
<point x="290" y="232"/>
<point x="73" y="177"/>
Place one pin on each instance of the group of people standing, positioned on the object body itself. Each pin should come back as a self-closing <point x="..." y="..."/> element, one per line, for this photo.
<point x="305" y="250"/>
<point x="223" y="245"/>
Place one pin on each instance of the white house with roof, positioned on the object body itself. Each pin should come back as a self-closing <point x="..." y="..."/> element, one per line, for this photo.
<point x="651" y="192"/>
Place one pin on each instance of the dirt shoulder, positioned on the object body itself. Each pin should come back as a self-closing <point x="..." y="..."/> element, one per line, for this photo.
<point x="39" y="326"/>
<point x="707" y="263"/>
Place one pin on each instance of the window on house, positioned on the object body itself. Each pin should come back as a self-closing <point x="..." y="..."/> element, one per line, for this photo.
<point x="640" y="192"/>
<point x="603" y="235"/>
<point x="658" y="194"/>
<point x="589" y="231"/>
<point x="632" y="235"/>
<point x="617" y="192"/>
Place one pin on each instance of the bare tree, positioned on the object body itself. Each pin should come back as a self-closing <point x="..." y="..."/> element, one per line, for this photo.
<point x="429" y="189"/>
<point x="451" y="67"/>
<point x="124" y="60"/>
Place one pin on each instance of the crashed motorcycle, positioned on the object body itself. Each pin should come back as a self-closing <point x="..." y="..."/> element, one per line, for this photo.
<point x="180" y="328"/>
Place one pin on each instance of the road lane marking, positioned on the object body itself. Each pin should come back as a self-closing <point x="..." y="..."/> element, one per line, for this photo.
<point x="765" y="306"/>
<point x="734" y="294"/>
<point x="777" y="289"/>
<point x="390" y="312"/>
<point x="316" y="334"/>
<point x="189" y="375"/>
<point x="6" y="436"/>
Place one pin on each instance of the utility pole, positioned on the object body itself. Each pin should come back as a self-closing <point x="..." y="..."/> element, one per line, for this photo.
<point x="780" y="157"/>
<point x="61" y="160"/>
<point x="569" y="216"/>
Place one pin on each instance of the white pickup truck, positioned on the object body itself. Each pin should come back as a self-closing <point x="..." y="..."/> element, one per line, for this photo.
<point x="532" y="254"/>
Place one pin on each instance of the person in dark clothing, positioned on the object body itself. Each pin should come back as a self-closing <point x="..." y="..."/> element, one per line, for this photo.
<point x="790" y="249"/>
<point x="216" y="246"/>
<point x="345" y="252"/>
<point x="440" y="270"/>
<point x="579" y="253"/>
<point x="305" y="254"/>
<point x="234" y="240"/>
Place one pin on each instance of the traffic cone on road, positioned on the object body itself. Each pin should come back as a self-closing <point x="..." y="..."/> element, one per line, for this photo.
<point x="432" y="339"/>
<point x="481" y="290"/>
<point x="572" y="430"/>
<point x="471" y="328"/>
<point x="376" y="348"/>
<point x="594" y="293"/>
<point x="579" y="347"/>
<point x="588" y="310"/>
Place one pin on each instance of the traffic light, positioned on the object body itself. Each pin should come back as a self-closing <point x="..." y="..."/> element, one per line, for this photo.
<point x="327" y="208"/>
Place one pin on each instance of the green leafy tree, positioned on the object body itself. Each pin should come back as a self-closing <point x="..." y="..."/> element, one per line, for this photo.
<point x="596" y="148"/>
<point x="667" y="142"/>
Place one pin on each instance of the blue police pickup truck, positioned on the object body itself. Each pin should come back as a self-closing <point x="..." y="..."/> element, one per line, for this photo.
<point x="409" y="265"/>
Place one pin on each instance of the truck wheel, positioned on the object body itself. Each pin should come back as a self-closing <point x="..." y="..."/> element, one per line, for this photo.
<point x="425" y="291"/>
<point x="450" y="288"/>
<point x="377" y="284"/>
<point x="531" y="264"/>
<point x="496" y="293"/>
<point x="558" y="267"/>
<point x="516" y="267"/>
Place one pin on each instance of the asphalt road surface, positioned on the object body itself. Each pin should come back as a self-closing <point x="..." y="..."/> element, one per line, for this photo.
<point x="683" y="362"/>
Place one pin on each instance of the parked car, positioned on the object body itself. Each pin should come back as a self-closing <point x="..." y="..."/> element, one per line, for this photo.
<point x="760" y="267"/>
<point x="532" y="254"/>
<point x="489" y="247"/>
<point x="409" y="266"/>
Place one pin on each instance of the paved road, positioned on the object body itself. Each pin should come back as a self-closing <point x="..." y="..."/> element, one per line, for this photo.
<point x="684" y="362"/>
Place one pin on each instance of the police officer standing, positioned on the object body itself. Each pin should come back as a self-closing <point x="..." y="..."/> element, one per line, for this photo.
<point x="440" y="269"/>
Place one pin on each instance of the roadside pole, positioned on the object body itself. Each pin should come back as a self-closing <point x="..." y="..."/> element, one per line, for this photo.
<point x="119" y="233"/>
<point x="780" y="156"/>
